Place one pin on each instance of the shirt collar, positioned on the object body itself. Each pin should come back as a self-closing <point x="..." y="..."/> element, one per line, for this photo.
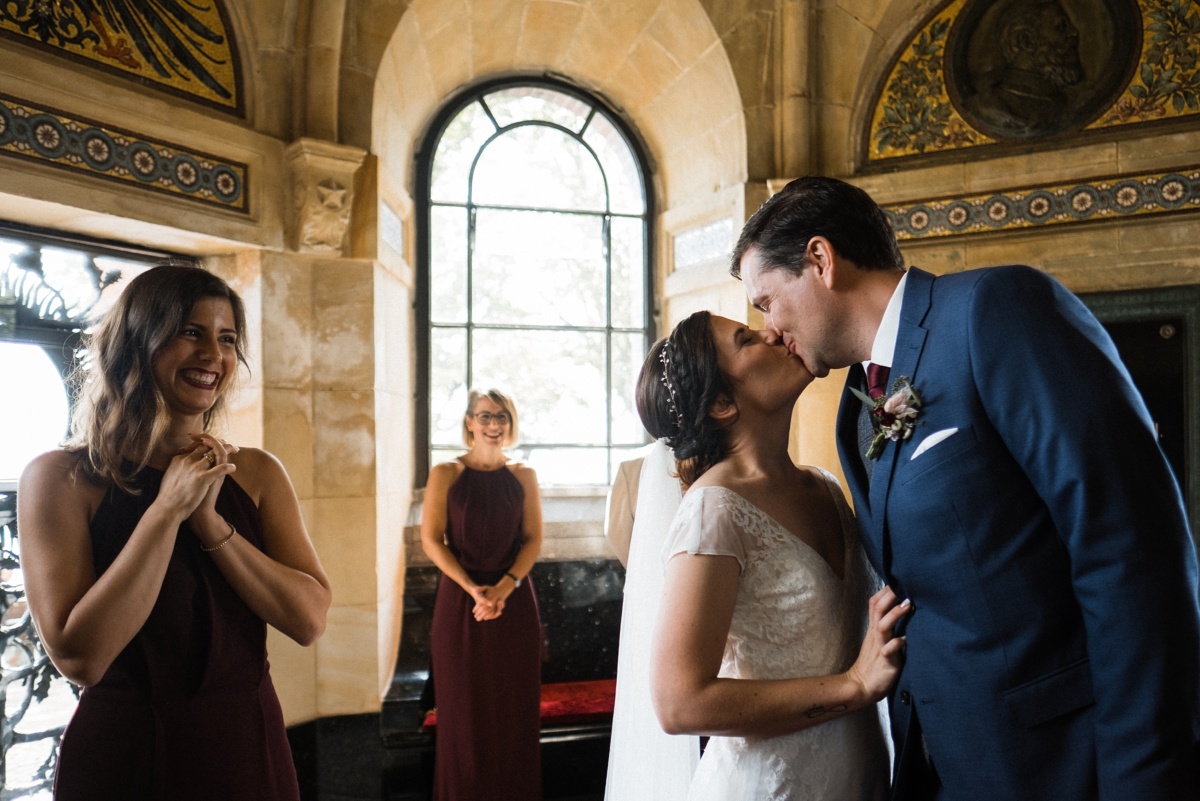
<point x="883" y="350"/>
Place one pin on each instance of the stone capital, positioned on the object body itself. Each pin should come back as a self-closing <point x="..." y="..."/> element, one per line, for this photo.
<point x="321" y="183"/>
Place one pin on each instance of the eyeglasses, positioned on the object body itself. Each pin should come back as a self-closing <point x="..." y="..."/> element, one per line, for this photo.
<point x="486" y="418"/>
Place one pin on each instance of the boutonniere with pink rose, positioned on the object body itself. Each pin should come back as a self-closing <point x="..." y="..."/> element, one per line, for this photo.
<point x="893" y="417"/>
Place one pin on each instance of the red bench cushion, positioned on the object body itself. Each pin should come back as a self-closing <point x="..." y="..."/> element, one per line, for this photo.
<point x="570" y="702"/>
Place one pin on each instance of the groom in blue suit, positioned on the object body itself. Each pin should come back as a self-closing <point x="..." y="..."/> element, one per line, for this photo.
<point x="1007" y="479"/>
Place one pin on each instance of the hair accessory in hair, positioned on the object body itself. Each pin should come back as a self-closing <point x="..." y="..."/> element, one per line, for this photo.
<point x="665" y="357"/>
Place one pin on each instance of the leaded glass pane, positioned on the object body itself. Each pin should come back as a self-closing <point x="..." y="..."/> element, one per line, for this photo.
<point x="448" y="264"/>
<point x="538" y="268"/>
<point x="535" y="166"/>
<point x="628" y="352"/>
<point x="556" y="378"/>
<point x="626" y="189"/>
<point x="520" y="103"/>
<point x="569" y="466"/>
<point x="456" y="150"/>
<point x="628" y="272"/>
<point x="447" y="384"/>
<point x="36" y="415"/>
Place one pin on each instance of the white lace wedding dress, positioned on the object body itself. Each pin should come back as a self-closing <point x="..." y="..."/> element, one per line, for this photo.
<point x="794" y="617"/>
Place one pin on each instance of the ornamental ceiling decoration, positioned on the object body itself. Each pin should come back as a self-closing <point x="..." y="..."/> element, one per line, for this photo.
<point x="182" y="47"/>
<point x="994" y="72"/>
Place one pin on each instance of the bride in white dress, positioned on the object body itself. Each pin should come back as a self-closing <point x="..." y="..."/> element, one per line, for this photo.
<point x="768" y="639"/>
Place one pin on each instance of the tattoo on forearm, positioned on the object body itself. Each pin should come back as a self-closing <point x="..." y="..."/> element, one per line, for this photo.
<point x="817" y="711"/>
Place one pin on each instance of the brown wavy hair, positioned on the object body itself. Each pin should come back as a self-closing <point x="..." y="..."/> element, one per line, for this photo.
<point x="120" y="413"/>
<point x="679" y="383"/>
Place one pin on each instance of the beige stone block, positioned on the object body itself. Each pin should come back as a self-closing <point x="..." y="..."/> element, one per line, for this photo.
<point x="654" y="68"/>
<point x="343" y="335"/>
<point x="908" y="186"/>
<point x="626" y="19"/>
<point x="348" y="662"/>
<point x="1041" y="167"/>
<point x="1159" y="153"/>
<point x="321" y="92"/>
<point x="760" y="142"/>
<point x="689" y="105"/>
<point x="1047" y="250"/>
<point x="343" y="532"/>
<point x="343" y="443"/>
<point x="395" y="349"/>
<point x="370" y="25"/>
<point x="939" y="258"/>
<point x="1178" y="233"/>
<point x="748" y="48"/>
<point x="444" y="50"/>
<point x="287" y="323"/>
<point x="631" y="90"/>
<point x="354" y="107"/>
<point x="547" y="30"/>
<point x="288" y="434"/>
<point x="684" y="34"/>
<point x="868" y="12"/>
<point x="294" y="674"/>
<point x="432" y="16"/>
<point x="495" y="32"/>
<point x="840" y="76"/>
<point x="595" y="52"/>
<point x="394" y="442"/>
<point x="814" y="421"/>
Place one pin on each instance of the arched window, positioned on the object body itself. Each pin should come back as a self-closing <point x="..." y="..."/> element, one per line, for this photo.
<point x="534" y="276"/>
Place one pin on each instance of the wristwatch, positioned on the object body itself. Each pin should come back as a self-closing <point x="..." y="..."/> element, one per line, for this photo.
<point x="516" y="581"/>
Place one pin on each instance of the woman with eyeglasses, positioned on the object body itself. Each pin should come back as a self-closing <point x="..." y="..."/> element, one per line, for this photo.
<point x="482" y="527"/>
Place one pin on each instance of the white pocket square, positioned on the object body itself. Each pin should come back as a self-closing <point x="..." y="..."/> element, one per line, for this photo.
<point x="933" y="439"/>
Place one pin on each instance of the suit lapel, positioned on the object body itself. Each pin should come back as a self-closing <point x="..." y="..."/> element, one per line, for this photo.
<point x="910" y="341"/>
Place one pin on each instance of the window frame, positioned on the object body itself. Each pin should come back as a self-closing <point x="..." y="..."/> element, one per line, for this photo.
<point x="423" y="277"/>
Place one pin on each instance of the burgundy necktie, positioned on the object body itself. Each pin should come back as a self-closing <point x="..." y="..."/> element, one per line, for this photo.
<point x="877" y="376"/>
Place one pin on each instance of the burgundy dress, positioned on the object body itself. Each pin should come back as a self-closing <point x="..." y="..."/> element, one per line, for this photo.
<point x="187" y="711"/>
<point x="486" y="675"/>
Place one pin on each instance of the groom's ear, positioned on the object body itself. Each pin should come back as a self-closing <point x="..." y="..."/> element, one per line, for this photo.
<point x="822" y="257"/>
<point x="723" y="410"/>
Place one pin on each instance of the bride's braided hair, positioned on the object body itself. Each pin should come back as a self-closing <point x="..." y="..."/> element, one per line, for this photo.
<point x="678" y="385"/>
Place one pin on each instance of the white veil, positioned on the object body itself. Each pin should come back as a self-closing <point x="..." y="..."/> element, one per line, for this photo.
<point x="643" y="761"/>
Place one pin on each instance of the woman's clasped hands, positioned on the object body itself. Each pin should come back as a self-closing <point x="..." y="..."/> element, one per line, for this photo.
<point x="489" y="601"/>
<point x="192" y="482"/>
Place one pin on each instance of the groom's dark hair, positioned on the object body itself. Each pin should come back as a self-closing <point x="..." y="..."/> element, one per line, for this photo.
<point x="818" y="206"/>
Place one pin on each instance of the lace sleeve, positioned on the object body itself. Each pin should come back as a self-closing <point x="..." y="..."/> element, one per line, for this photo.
<point x="708" y="523"/>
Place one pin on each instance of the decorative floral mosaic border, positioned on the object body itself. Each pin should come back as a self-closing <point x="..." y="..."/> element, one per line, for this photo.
<point x="1050" y="205"/>
<point x="50" y="137"/>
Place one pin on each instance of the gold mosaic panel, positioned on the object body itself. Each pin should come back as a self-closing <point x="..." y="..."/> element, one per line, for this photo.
<point x="186" y="49"/>
<point x="914" y="114"/>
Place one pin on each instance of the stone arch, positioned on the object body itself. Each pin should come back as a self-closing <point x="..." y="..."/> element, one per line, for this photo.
<point x="662" y="65"/>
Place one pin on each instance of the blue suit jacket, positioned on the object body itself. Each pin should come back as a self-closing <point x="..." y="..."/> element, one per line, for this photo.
<point x="1054" y="647"/>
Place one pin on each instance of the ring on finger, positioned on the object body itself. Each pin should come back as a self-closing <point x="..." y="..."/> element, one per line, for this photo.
<point x="211" y="457"/>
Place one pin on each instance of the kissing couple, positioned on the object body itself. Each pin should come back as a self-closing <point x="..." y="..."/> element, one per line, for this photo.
<point x="1017" y="579"/>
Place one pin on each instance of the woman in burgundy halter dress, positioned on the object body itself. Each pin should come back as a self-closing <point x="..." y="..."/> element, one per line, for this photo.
<point x="482" y="527"/>
<point x="155" y="555"/>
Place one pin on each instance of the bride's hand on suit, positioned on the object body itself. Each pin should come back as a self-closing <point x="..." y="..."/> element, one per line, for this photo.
<point x="882" y="653"/>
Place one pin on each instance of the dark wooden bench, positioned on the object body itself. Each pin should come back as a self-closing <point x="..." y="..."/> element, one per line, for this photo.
<point x="580" y="606"/>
